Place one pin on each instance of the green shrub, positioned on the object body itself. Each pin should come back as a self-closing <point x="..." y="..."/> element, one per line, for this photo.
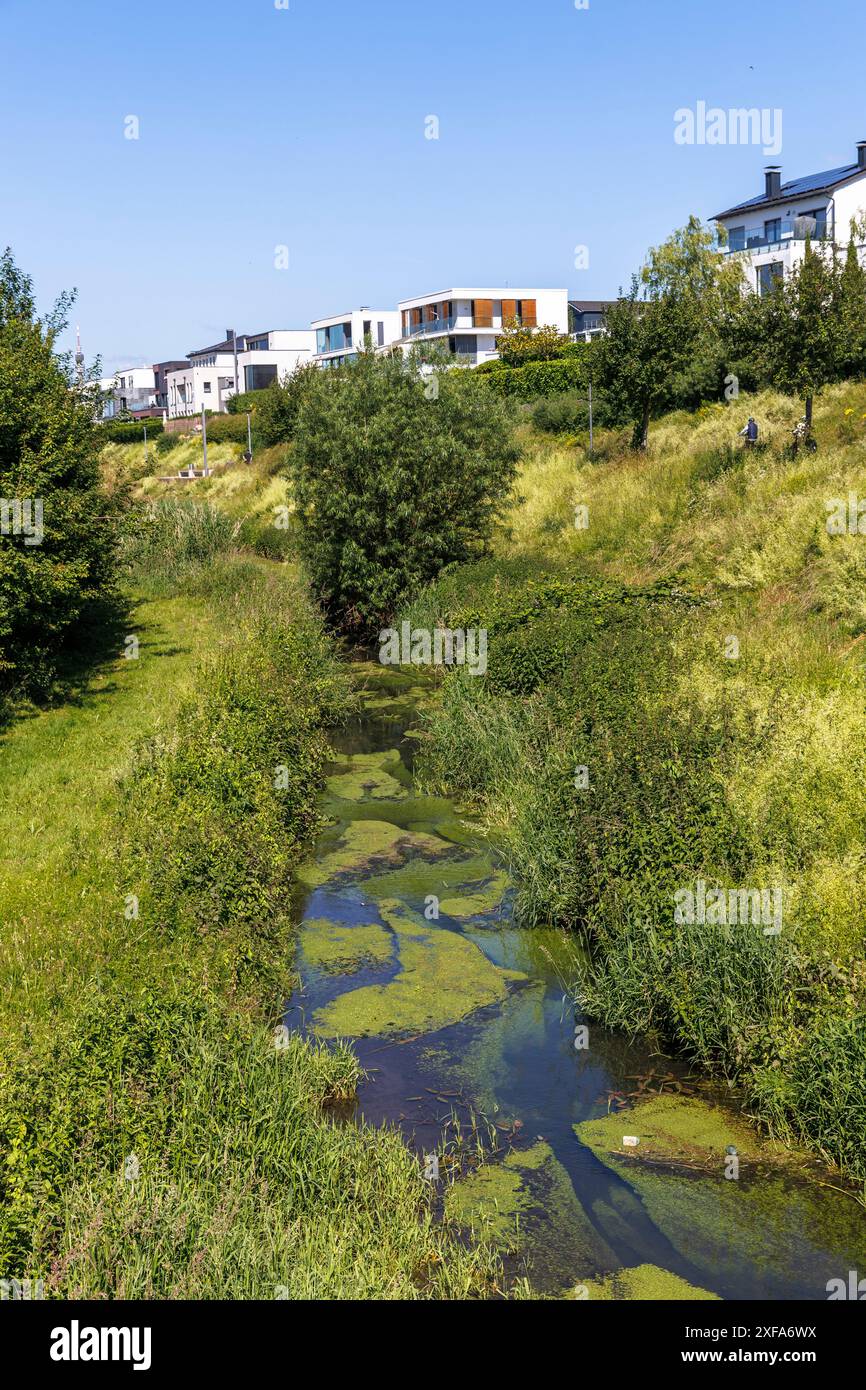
<point x="394" y="476"/>
<point x="562" y="414"/>
<point x="129" y="431"/>
<point x="53" y="571"/>
<point x="227" y="428"/>
<point x="168" y="441"/>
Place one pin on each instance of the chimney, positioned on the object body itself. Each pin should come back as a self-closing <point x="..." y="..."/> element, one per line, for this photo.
<point x="861" y="154"/>
<point x="230" y="333"/>
<point x="773" y="181"/>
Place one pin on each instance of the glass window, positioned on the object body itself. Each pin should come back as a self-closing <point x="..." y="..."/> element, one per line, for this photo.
<point x="773" y="229"/>
<point x="769" y="275"/>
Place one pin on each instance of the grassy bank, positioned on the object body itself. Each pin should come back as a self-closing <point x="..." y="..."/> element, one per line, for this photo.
<point x="157" y="1138"/>
<point x="675" y="692"/>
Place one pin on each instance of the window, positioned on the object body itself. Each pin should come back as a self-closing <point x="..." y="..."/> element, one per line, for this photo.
<point x="736" y="238"/>
<point x="368" y="329"/>
<point x="773" y="229"/>
<point x="335" y="338"/>
<point x="206" y="388"/>
<point x="257" y="378"/>
<point x="768" y="275"/>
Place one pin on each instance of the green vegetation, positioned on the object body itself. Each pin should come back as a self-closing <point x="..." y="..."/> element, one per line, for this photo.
<point x="394" y="475"/>
<point x="157" y="1139"/>
<point x="738" y="763"/>
<point x="58" y="529"/>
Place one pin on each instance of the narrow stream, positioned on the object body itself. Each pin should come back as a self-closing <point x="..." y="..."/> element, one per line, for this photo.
<point x="463" y="1022"/>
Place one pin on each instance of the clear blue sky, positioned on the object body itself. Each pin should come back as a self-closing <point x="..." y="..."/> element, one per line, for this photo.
<point x="305" y="127"/>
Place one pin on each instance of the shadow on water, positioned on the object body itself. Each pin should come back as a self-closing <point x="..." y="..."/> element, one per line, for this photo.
<point x="504" y="1070"/>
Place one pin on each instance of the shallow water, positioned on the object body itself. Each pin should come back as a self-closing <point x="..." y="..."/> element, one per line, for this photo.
<point x="466" y="1019"/>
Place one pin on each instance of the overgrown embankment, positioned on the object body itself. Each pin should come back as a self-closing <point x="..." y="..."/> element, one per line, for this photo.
<point x="675" y="693"/>
<point x="157" y="1138"/>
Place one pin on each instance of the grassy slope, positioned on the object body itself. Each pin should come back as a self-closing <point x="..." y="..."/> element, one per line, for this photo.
<point x="149" y="1036"/>
<point x="754" y="767"/>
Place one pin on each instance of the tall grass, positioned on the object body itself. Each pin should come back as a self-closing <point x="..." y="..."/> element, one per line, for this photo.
<point x="742" y="764"/>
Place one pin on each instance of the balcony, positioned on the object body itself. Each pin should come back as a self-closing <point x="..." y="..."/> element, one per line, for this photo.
<point x="460" y="323"/>
<point x="777" y="232"/>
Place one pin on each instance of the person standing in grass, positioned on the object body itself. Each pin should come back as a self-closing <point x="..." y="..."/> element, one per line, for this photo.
<point x="749" y="432"/>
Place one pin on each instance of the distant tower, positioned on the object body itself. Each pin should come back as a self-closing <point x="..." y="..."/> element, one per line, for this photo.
<point x="79" y="358"/>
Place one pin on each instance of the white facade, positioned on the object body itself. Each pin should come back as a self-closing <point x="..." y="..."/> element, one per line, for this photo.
<point x="273" y="355"/>
<point x="768" y="233"/>
<point x="340" y="337"/>
<point x="208" y="382"/>
<point x="132" y="388"/>
<point x="467" y="321"/>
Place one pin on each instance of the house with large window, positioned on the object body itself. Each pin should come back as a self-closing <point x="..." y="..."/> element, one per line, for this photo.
<point x="241" y="362"/>
<point x="466" y="322"/>
<point x="340" y="337"/>
<point x="769" y="232"/>
<point x="131" y="391"/>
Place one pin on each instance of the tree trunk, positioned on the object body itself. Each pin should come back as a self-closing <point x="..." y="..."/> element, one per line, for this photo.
<point x="641" y="430"/>
<point x="809" y="400"/>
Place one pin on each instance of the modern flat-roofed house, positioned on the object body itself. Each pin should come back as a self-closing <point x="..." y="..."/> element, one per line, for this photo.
<point x="586" y="318"/>
<point x="340" y="337"/>
<point x="467" y="321"/>
<point x="268" y="357"/>
<point x="207" y="380"/>
<point x="131" y="391"/>
<point x="769" y="232"/>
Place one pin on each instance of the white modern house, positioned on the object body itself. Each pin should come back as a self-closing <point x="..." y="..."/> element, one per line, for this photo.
<point x="241" y="362"/>
<point x="769" y="232"/>
<point x="466" y="321"/>
<point x="268" y="357"/>
<point x="130" y="390"/>
<point x="340" y="337"/>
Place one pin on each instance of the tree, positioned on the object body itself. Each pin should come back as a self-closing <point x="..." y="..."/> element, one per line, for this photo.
<point x="647" y="344"/>
<point x="277" y="406"/>
<point x="57" y="531"/>
<point x="794" y="331"/>
<point x="663" y="342"/>
<point x="517" y="345"/>
<point x="850" y="315"/>
<point x="395" y="473"/>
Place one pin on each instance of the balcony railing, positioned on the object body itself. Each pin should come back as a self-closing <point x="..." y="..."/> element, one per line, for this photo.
<point x="778" y="232"/>
<point x="460" y="323"/>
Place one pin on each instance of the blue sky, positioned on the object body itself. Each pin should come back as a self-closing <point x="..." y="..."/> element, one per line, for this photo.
<point x="305" y="127"/>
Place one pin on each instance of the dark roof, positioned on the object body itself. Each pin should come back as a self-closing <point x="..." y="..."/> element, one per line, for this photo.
<point x="590" y="306"/>
<point x="226" y="346"/>
<point x="797" y="188"/>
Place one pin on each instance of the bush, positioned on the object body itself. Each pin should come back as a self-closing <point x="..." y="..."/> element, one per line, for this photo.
<point x="227" y="429"/>
<point x="49" y="460"/>
<point x="277" y="406"/>
<point x="538" y="378"/>
<point x="128" y="431"/>
<point x="563" y="414"/>
<point x="166" y="442"/>
<point x="245" y="401"/>
<point x="395" y="475"/>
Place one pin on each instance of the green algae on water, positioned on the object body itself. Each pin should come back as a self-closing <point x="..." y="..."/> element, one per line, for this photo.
<point x="342" y="947"/>
<point x="525" y="1202"/>
<point x="442" y="979"/>
<point x="370" y="777"/>
<point x="366" y="846"/>
<point x="643" y="1283"/>
<point x="477" y="899"/>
